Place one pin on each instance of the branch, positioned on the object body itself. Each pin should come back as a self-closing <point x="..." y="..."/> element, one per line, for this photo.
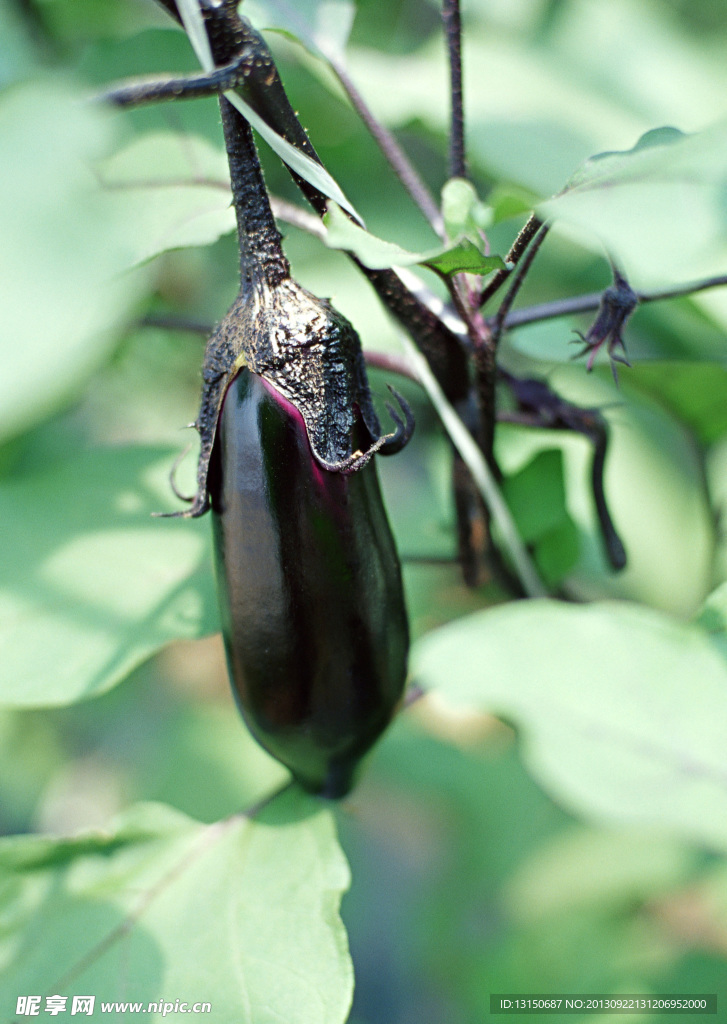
<point x="522" y="270"/>
<point x="518" y="247"/>
<point x="297" y="217"/>
<point x="590" y="302"/>
<point x="453" y="32"/>
<point x="394" y="154"/>
<point x="392" y="151"/>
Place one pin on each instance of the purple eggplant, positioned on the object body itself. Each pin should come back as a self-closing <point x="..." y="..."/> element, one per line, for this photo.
<point x="310" y="591"/>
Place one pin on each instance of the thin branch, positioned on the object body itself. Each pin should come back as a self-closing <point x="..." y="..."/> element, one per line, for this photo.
<point x="391" y="363"/>
<point x="453" y="32"/>
<point x="551" y="310"/>
<point x="516" y="285"/>
<point x="591" y="301"/>
<point x="176" y="322"/>
<point x="392" y="151"/>
<point x="297" y="217"/>
<point x="684" y="289"/>
<point x="518" y="247"/>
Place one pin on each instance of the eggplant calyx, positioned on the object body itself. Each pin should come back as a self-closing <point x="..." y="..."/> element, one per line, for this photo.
<point x="400" y="437"/>
<point x="386" y="444"/>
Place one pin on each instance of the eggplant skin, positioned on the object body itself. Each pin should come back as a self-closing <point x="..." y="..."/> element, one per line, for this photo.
<point x="310" y="591"/>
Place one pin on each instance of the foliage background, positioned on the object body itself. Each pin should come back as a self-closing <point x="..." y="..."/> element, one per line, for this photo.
<point x="575" y="844"/>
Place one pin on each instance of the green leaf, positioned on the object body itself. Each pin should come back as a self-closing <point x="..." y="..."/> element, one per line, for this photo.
<point x="175" y="188"/>
<point x="242" y="914"/>
<point x="660" y="208"/>
<point x="694" y="391"/>
<point x="322" y="26"/>
<point x="623" y="711"/>
<point x="509" y="201"/>
<point x="463" y="212"/>
<point x="90" y="584"/>
<point x="713" y="617"/>
<point x="67" y="244"/>
<point x="378" y="254"/>
<point x="536" y="495"/>
<point x="584" y="867"/>
<point x="557" y="551"/>
<point x="17" y="55"/>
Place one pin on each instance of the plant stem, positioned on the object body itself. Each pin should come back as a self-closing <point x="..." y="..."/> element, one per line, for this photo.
<point x="518" y="247"/>
<point x="481" y="474"/>
<point x="392" y="151"/>
<point x="591" y="301"/>
<point x="261" y="252"/>
<point x="453" y="32"/>
<point x="520" y="275"/>
<point x="297" y="217"/>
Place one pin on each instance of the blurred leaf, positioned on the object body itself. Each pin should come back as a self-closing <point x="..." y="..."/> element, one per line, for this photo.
<point x="175" y="188"/>
<point x="378" y="254"/>
<point x="713" y="616"/>
<point x="465" y="215"/>
<point x="17" y="55"/>
<point x="66" y="245"/>
<point x="536" y="494"/>
<point x="86" y="20"/>
<point x="557" y="551"/>
<point x="223" y="764"/>
<point x="716" y="480"/>
<point x="533" y="155"/>
<point x="623" y="711"/>
<point x="242" y="914"/>
<point x="696" y="392"/>
<point x="660" y="208"/>
<point x="31" y="753"/>
<point x="90" y="585"/>
<point x="510" y="201"/>
<point x="588" y="867"/>
<point x="322" y="26"/>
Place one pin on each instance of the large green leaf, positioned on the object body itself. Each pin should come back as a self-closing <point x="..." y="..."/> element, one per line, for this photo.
<point x="242" y="914"/>
<point x="175" y="188"/>
<point x="623" y="711"/>
<point x="90" y="584"/>
<point x="658" y="208"/>
<point x="66" y="245"/>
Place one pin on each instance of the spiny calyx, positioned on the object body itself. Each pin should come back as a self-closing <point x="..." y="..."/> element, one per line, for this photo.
<point x="311" y="354"/>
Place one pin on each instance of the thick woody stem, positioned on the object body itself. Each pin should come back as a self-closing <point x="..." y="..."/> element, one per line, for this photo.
<point x="261" y="251"/>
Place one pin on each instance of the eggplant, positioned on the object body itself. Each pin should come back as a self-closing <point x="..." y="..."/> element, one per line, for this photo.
<point x="309" y="583"/>
<point x="310" y="591"/>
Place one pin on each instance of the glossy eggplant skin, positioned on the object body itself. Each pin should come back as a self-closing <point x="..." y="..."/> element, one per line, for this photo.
<point x="310" y="591"/>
